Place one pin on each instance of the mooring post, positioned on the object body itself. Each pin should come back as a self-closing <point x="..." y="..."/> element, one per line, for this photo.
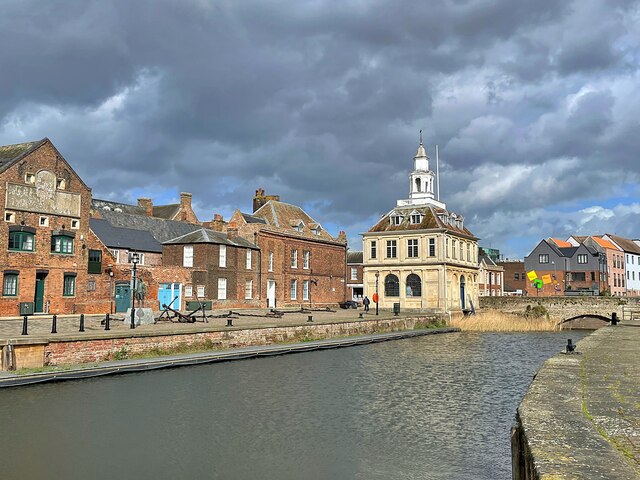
<point x="106" y="322"/>
<point x="24" y="326"/>
<point x="54" y="324"/>
<point x="81" y="322"/>
<point x="310" y="318"/>
<point x="229" y="322"/>
<point x="614" y="318"/>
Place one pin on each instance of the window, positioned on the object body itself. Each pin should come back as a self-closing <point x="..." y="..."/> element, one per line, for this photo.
<point x="446" y="246"/>
<point x="30" y="178"/>
<point x="294" y="258"/>
<point x="44" y="221"/>
<point x="305" y="290"/>
<point x="140" y="258"/>
<point x="75" y="224"/>
<point x="21" y="241"/>
<point x="95" y="261"/>
<point x="396" y="219"/>
<point x="306" y="256"/>
<point x="187" y="256"/>
<point x="248" y="259"/>
<point x="248" y="290"/>
<point x="516" y="276"/>
<point x="412" y="248"/>
<point x="200" y="291"/>
<point x="593" y="276"/>
<point x="543" y="258"/>
<point x="223" y="256"/>
<point x="582" y="258"/>
<point x="453" y="248"/>
<point x="469" y="259"/>
<point x="416" y="218"/>
<point x="374" y="249"/>
<point x="432" y="247"/>
<point x="188" y="291"/>
<point x="414" y="286"/>
<point x="9" y="217"/>
<point x="116" y="254"/>
<point x="62" y="244"/>
<point x="391" y="249"/>
<point x="69" y="289"/>
<point x="60" y="183"/>
<point x="294" y="289"/>
<point x="92" y="286"/>
<point x="270" y="262"/>
<point x="10" y="284"/>
<point x="354" y="273"/>
<point x="391" y="286"/>
<point x="578" y="276"/>
<point x="461" y="251"/>
<point x="222" y="289"/>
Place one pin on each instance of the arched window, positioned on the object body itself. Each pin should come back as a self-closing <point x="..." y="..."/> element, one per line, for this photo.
<point x="414" y="286"/>
<point x="417" y="184"/>
<point x="391" y="286"/>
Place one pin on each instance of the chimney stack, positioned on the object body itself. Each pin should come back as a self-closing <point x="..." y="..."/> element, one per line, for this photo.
<point x="217" y="224"/>
<point x="342" y="237"/>
<point x="260" y="199"/>
<point x="232" y="231"/>
<point x="147" y="204"/>
<point x="185" y="200"/>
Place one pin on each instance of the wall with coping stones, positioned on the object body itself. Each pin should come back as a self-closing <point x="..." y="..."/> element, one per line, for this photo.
<point x="87" y="351"/>
<point x="560" y="308"/>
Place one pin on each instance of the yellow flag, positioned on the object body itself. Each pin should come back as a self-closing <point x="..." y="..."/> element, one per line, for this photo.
<point x="532" y="275"/>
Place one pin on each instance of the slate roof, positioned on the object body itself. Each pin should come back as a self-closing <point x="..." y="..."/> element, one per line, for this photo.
<point x="166" y="211"/>
<point x="580" y="238"/>
<point x="163" y="230"/>
<point x="627" y="245"/>
<point x="354" y="257"/>
<point x="205" y="235"/>
<point x="9" y="154"/>
<point x="252" y="219"/>
<point x="432" y="218"/>
<point x="106" y="205"/>
<point x="568" y="251"/>
<point x="119" y="237"/>
<point x="283" y="216"/>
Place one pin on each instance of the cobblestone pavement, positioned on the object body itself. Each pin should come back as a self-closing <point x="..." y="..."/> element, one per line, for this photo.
<point x="39" y="326"/>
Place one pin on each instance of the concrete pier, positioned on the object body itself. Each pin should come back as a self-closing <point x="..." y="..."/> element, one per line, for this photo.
<point x="581" y="415"/>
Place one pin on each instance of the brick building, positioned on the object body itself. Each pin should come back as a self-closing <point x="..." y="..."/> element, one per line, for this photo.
<point x="300" y="262"/>
<point x="50" y="262"/>
<point x="515" y="277"/>
<point x="226" y="267"/>
<point x="355" y="272"/>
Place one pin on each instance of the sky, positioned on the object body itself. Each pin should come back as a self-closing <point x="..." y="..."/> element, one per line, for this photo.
<point x="534" y="106"/>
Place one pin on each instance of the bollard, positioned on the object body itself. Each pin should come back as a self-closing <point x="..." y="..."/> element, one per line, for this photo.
<point x="614" y="318"/>
<point x="310" y="318"/>
<point x="24" y="326"/>
<point x="54" y="324"/>
<point x="81" y="322"/>
<point x="229" y="322"/>
<point x="570" y="346"/>
<point x="106" y="322"/>
<point x="360" y="315"/>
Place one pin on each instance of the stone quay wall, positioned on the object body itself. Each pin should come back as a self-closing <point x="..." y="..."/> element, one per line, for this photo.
<point x="73" y="350"/>
<point x="560" y="307"/>
<point x="580" y="416"/>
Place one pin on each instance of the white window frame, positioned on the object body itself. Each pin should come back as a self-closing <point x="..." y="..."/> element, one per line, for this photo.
<point x="413" y="247"/>
<point x="270" y="262"/>
<point x="248" y="290"/>
<point x="222" y="260"/>
<point x="543" y="256"/>
<point x="187" y="256"/>
<point x="188" y="291"/>
<point x="392" y="249"/>
<point x="354" y="273"/>
<point x="116" y="254"/>
<point x="305" y="290"/>
<point x="306" y="259"/>
<point x="294" y="289"/>
<point x="294" y="258"/>
<point x="582" y="256"/>
<point x="222" y="289"/>
<point x="248" y="265"/>
<point x="200" y="291"/>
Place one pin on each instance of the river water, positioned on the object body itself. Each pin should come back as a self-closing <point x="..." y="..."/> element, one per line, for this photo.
<point x="434" y="407"/>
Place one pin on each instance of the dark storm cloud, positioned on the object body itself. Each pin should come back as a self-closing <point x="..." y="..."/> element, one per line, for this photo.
<point x="321" y="102"/>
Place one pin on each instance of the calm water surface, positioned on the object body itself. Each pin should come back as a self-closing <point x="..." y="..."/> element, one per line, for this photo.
<point x="435" y="407"/>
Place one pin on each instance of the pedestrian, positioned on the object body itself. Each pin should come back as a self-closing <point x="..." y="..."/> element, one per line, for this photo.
<point x="366" y="303"/>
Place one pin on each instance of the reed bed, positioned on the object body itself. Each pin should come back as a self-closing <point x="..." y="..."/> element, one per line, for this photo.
<point x="494" y="321"/>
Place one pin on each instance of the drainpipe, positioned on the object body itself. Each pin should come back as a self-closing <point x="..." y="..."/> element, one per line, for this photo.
<point x="255" y="242"/>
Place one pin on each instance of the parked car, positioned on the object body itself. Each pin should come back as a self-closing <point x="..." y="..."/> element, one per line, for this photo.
<point x="349" y="304"/>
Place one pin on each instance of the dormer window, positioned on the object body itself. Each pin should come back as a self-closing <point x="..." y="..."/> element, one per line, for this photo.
<point x="416" y="218"/>
<point x="395" y="219"/>
<point x="297" y="225"/>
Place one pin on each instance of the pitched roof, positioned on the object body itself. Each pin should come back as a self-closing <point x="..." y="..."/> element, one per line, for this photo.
<point x="568" y="251"/>
<point x="626" y="244"/>
<point x="580" y="238"/>
<point x="163" y="230"/>
<point x="107" y="205"/>
<point x="354" y="257"/>
<point x="283" y="217"/>
<point x="9" y="154"/>
<point x="252" y="219"/>
<point x="119" y="237"/>
<point x="432" y="217"/>
<point x="205" y="235"/>
<point x="605" y="243"/>
<point x="168" y="212"/>
<point x="560" y="243"/>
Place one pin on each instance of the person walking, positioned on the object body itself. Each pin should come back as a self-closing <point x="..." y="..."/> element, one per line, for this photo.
<point x="366" y="303"/>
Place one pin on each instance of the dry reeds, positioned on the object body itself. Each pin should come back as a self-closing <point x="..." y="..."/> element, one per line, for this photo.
<point x="494" y="321"/>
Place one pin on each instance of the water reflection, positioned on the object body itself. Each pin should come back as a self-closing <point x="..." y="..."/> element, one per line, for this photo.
<point x="436" y="407"/>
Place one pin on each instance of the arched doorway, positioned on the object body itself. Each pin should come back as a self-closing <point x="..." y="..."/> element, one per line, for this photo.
<point x="391" y="286"/>
<point x="462" y="294"/>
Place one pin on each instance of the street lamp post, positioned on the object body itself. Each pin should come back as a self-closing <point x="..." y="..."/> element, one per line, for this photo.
<point x="134" y="260"/>
<point x="377" y="296"/>
<point x="555" y="291"/>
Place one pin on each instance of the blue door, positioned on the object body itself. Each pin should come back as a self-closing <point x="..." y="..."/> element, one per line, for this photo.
<point x="122" y="297"/>
<point x="462" y="293"/>
<point x="170" y="294"/>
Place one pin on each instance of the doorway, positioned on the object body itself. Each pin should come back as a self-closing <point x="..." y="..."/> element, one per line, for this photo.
<point x="38" y="298"/>
<point x="462" y="284"/>
<point x="271" y="294"/>
<point x="122" y="297"/>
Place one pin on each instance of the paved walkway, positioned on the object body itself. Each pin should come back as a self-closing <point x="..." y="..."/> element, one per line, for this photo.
<point x="39" y="326"/>
<point x="581" y="415"/>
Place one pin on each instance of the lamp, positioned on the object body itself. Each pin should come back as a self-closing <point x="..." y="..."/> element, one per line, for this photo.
<point x="135" y="258"/>
<point x="377" y="296"/>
